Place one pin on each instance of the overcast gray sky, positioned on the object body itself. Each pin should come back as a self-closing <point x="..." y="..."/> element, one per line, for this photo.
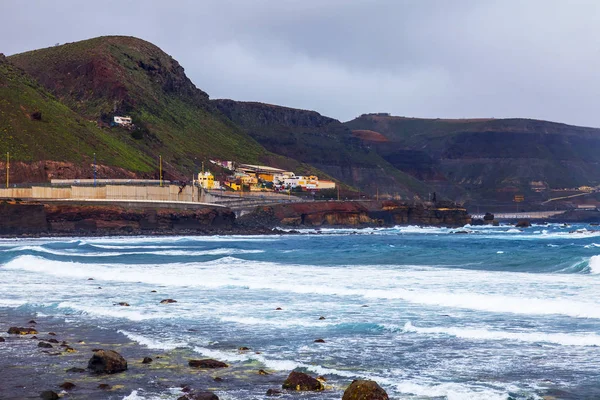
<point x="422" y="58"/>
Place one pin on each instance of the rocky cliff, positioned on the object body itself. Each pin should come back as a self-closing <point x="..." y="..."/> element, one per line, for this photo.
<point x="486" y="159"/>
<point x="356" y="214"/>
<point x="78" y="219"/>
<point x="322" y="142"/>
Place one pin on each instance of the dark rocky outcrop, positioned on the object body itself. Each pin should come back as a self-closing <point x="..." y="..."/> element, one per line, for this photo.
<point x="300" y="381"/>
<point x="107" y="361"/>
<point x="358" y="214"/>
<point x="523" y="224"/>
<point x="364" y="390"/>
<point x="13" y="330"/>
<point x="73" y="218"/>
<point x="207" y="363"/>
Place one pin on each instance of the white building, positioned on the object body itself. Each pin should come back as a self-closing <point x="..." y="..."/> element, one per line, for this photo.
<point x="123" y="121"/>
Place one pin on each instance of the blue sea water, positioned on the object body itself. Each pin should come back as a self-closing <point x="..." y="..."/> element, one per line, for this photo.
<point x="429" y="313"/>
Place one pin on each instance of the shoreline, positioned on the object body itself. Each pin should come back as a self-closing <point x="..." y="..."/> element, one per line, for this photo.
<point x="31" y="370"/>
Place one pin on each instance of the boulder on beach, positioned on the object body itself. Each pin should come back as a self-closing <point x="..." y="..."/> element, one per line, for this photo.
<point x="302" y="382"/>
<point x="207" y="363"/>
<point x="168" y="301"/>
<point x="146" y="360"/>
<point x="49" y="395"/>
<point x="364" y="390"/>
<point x="67" y="385"/>
<point x="13" y="330"/>
<point x="107" y="362"/>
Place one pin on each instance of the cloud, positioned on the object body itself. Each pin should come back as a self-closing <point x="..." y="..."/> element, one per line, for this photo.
<point x="432" y="58"/>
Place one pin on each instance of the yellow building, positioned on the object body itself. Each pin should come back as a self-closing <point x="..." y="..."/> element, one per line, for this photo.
<point x="206" y="180"/>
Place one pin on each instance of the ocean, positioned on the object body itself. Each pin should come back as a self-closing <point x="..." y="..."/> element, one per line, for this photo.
<point x="427" y="312"/>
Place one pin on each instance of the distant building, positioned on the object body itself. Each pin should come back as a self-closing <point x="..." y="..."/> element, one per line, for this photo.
<point x="206" y="180"/>
<point x="225" y="164"/>
<point x="122" y="121"/>
<point x="326" y="185"/>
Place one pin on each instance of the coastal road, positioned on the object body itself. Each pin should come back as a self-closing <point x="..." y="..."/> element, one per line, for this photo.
<point x="522" y="215"/>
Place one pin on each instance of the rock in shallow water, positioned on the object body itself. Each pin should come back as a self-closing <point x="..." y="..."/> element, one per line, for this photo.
<point x="168" y="301"/>
<point x="364" y="390"/>
<point x="45" y="345"/>
<point x="199" y="396"/>
<point x="107" y="361"/>
<point x="207" y="363"/>
<point x="49" y="395"/>
<point x="67" y="386"/>
<point x="146" y="360"/>
<point x="302" y="382"/>
<point x="13" y="330"/>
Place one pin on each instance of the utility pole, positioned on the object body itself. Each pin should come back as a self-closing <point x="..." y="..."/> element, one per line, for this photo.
<point x="94" y="169"/>
<point x="160" y="169"/>
<point x="7" y="168"/>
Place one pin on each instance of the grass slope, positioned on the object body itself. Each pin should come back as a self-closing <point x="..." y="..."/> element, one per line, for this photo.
<point x="101" y="77"/>
<point x="60" y="134"/>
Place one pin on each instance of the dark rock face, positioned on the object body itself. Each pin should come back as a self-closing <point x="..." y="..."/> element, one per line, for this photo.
<point x="22" y="218"/>
<point x="207" y="363"/>
<point x="300" y="381"/>
<point x="13" y="330"/>
<point x="364" y="390"/>
<point x="359" y="214"/>
<point x="107" y="361"/>
<point x="85" y="218"/>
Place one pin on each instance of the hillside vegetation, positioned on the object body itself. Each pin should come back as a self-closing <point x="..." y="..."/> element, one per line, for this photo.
<point x="107" y="76"/>
<point x="34" y="126"/>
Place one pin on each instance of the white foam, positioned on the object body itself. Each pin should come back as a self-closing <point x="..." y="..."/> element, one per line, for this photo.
<point x="571" y="339"/>
<point x="594" y="264"/>
<point x="130" y="313"/>
<point x="281" y="323"/>
<point x="153" y="343"/>
<point x="274" y="364"/>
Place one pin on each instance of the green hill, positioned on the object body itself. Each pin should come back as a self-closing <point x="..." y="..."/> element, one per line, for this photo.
<point x="107" y="76"/>
<point x="34" y="126"/>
